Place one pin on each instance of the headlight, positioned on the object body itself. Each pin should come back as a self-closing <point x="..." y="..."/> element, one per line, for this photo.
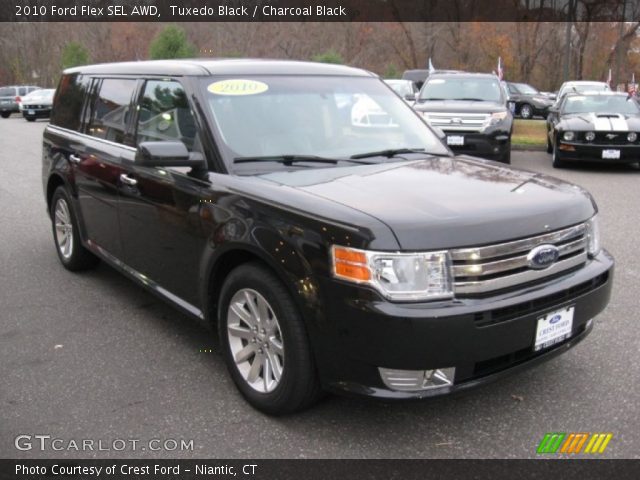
<point x="568" y="136"/>
<point x="397" y="276"/>
<point x="593" y="236"/>
<point x="632" y="137"/>
<point x="495" y="119"/>
<point x="590" y="136"/>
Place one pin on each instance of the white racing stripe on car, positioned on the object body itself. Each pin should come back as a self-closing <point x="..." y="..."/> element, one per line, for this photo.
<point x="601" y="124"/>
<point x="619" y="124"/>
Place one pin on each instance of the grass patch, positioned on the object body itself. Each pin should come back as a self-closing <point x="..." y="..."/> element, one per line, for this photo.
<point x="530" y="133"/>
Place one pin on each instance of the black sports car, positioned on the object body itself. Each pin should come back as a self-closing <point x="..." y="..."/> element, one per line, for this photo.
<point x="597" y="127"/>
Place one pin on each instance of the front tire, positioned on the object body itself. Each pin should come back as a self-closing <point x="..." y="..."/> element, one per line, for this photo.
<point x="5" y="114"/>
<point x="66" y="235"/>
<point x="557" y="163"/>
<point x="30" y="119"/>
<point x="264" y="342"/>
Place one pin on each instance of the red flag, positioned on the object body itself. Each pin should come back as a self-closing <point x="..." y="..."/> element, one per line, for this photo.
<point x="500" y="72"/>
<point x="633" y="88"/>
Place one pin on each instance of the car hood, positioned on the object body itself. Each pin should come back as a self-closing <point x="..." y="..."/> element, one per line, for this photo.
<point x="450" y="202"/>
<point x="454" y="106"/>
<point x="600" y="122"/>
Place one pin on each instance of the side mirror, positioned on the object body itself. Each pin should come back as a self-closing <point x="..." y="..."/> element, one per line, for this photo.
<point x="171" y="153"/>
<point x="410" y="97"/>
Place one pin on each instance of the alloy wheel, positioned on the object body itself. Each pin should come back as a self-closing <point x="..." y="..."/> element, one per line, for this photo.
<point x="64" y="228"/>
<point x="255" y="340"/>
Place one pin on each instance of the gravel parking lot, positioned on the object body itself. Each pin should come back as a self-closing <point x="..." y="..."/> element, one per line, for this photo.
<point x="93" y="356"/>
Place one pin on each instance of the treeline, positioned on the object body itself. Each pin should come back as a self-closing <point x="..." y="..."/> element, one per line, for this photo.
<point x="532" y="52"/>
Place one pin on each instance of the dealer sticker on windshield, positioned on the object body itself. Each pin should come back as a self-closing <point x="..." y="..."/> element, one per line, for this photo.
<point x="238" y="86"/>
<point x="554" y="327"/>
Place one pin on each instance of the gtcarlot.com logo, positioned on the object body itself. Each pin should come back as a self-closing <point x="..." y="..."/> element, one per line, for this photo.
<point x="574" y="443"/>
<point x="49" y="443"/>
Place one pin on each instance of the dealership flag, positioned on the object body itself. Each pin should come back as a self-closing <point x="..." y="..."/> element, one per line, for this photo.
<point x="609" y="79"/>
<point x="633" y="88"/>
<point x="431" y="69"/>
<point x="500" y="72"/>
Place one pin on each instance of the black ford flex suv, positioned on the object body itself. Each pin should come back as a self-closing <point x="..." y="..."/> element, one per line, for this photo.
<point x="330" y="253"/>
<point x="471" y="109"/>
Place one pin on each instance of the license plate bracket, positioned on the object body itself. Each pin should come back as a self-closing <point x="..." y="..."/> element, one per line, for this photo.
<point x="455" y="140"/>
<point x="553" y="327"/>
<point x="611" y="154"/>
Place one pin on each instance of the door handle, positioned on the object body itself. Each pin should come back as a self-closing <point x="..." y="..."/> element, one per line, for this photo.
<point x="127" y="180"/>
<point x="74" y="158"/>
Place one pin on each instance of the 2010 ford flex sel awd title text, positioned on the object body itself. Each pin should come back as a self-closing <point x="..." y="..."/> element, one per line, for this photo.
<point x="317" y="220"/>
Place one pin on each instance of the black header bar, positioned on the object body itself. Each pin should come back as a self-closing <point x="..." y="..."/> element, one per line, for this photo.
<point x="318" y="10"/>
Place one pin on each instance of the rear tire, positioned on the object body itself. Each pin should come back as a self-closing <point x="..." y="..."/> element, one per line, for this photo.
<point x="5" y="114"/>
<point x="30" y="119"/>
<point x="526" y="111"/>
<point x="264" y="342"/>
<point x="66" y="235"/>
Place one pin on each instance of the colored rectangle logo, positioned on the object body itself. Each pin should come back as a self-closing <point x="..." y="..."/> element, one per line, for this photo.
<point x="574" y="443"/>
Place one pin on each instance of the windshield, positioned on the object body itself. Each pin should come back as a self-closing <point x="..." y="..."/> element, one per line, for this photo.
<point x="469" y="88"/>
<point x="330" y="117"/>
<point x="600" y="104"/>
<point x="584" y="87"/>
<point x="526" y="89"/>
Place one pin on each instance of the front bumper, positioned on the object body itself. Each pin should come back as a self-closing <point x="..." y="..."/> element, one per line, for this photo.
<point x="593" y="153"/>
<point x="483" y="338"/>
<point x="491" y="146"/>
<point x="36" y="113"/>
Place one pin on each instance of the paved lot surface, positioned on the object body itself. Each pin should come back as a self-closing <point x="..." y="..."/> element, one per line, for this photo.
<point x="93" y="356"/>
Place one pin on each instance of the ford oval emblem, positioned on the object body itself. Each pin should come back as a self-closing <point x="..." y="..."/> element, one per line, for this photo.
<point x="555" y="319"/>
<point x="543" y="256"/>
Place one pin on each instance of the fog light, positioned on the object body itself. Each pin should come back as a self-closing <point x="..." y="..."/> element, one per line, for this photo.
<point x="632" y="137"/>
<point x="417" y="380"/>
<point x="590" y="136"/>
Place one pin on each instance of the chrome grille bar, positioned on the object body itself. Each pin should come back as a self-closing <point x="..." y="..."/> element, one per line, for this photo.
<point x="506" y="265"/>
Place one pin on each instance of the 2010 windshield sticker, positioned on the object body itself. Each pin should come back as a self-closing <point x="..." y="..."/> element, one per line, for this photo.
<point x="238" y="87"/>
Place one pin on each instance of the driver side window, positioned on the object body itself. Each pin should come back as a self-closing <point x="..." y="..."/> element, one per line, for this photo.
<point x="164" y="114"/>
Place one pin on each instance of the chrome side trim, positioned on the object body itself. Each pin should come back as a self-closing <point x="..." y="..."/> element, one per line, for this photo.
<point x="507" y="281"/>
<point x="89" y="137"/>
<point x="511" y="248"/>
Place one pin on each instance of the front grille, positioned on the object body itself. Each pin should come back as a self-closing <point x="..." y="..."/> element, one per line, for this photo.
<point x="497" y="364"/>
<point x="469" y="122"/>
<point x="504" y="266"/>
<point x="494" y="317"/>
<point x="611" y="138"/>
<point x="34" y="107"/>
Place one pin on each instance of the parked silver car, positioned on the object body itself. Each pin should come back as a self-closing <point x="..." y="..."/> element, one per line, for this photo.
<point x="37" y="104"/>
<point x="10" y="97"/>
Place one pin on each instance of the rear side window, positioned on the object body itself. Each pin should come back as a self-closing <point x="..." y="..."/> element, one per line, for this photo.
<point x="7" y="92"/>
<point x="165" y="114"/>
<point x="111" y="110"/>
<point x="22" y="91"/>
<point x="67" y="103"/>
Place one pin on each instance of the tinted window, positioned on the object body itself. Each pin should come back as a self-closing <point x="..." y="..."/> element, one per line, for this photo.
<point x="600" y="104"/>
<point x="110" y="113"/>
<point x="22" y="91"/>
<point x="67" y="104"/>
<point x="165" y="114"/>
<point x="7" y="92"/>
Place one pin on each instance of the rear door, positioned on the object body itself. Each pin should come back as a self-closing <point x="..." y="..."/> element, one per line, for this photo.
<point x="97" y="161"/>
<point x="159" y="207"/>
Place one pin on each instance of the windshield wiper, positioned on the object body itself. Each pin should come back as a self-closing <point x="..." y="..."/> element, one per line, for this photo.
<point x="431" y="99"/>
<point x="470" y="99"/>
<point x="388" y="153"/>
<point x="294" y="158"/>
